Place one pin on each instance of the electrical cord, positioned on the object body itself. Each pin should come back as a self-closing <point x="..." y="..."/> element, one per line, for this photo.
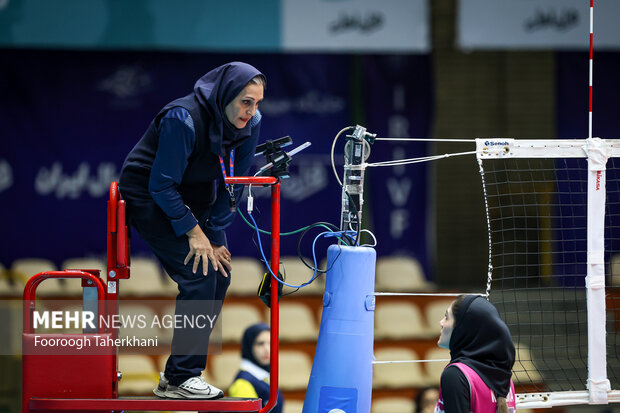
<point x="373" y="237"/>
<point x="357" y="217"/>
<point x="314" y="275"/>
<point x="332" y="152"/>
<point x="262" y="231"/>
<point x="317" y="224"/>
<point x="326" y="225"/>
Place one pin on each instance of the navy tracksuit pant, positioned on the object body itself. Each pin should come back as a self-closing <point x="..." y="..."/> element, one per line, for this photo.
<point x="198" y="295"/>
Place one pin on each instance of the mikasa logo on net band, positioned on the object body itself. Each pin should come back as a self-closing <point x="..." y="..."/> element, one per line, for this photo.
<point x="598" y="180"/>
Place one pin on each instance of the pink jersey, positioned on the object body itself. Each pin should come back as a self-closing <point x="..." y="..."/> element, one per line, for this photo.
<point x="481" y="397"/>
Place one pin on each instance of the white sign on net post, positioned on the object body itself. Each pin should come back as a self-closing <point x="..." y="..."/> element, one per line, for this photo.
<point x="536" y="24"/>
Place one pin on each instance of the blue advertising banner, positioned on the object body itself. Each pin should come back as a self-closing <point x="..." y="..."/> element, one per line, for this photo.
<point x="398" y="104"/>
<point x="70" y="118"/>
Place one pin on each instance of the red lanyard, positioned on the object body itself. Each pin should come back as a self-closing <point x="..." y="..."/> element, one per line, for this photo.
<point x="229" y="187"/>
<point x="232" y="164"/>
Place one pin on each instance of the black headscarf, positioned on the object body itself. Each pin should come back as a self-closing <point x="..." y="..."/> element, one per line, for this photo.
<point x="217" y="89"/>
<point x="482" y="341"/>
<point x="249" y="336"/>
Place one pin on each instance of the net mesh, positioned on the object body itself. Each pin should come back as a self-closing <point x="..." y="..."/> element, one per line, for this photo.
<point x="537" y="212"/>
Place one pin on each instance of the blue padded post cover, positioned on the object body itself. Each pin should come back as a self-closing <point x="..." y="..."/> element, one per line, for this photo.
<point x="341" y="378"/>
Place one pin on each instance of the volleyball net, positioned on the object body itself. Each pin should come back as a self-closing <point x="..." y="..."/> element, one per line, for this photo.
<point x="553" y="215"/>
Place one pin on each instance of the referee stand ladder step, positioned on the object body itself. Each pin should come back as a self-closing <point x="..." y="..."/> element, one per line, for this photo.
<point x="120" y="404"/>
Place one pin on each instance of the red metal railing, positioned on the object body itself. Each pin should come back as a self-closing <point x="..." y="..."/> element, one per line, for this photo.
<point x="275" y="267"/>
<point x="32" y="284"/>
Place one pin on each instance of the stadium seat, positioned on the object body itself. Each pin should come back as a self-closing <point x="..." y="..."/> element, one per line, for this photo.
<point x="9" y="286"/>
<point x="297" y="273"/>
<point x="209" y="379"/>
<point x="392" y="405"/>
<point x="165" y="308"/>
<point x="24" y="268"/>
<point x="397" y="375"/>
<point x="401" y="274"/>
<point x="84" y="263"/>
<point x="74" y="287"/>
<point x="399" y="320"/>
<point x="139" y="374"/>
<point x="11" y="314"/>
<point x="323" y="264"/>
<point x="615" y="271"/>
<point x="161" y="362"/>
<point x="293" y="406"/>
<point x="295" y="368"/>
<point x="246" y="276"/>
<point x="4" y="274"/>
<point x="235" y="318"/>
<point x="435" y="368"/>
<point x="296" y="322"/>
<point x="147" y="279"/>
<point x="524" y="369"/>
<point x="434" y="312"/>
<point x="224" y="367"/>
<point x="142" y="316"/>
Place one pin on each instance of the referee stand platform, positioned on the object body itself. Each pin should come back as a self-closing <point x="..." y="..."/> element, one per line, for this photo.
<point x="59" y="378"/>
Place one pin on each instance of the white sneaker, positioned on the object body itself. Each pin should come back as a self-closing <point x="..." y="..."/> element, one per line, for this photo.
<point x="160" y="390"/>
<point x="193" y="388"/>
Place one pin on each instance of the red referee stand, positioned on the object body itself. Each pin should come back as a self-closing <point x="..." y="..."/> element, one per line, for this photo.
<point x="87" y="379"/>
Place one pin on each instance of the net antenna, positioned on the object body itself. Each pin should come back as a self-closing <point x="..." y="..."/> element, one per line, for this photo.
<point x="553" y="215"/>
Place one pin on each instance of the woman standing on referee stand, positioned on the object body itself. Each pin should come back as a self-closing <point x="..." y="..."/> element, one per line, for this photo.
<point x="173" y="183"/>
<point x="478" y="377"/>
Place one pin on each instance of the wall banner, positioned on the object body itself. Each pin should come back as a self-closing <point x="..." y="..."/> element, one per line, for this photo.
<point x="394" y="26"/>
<point x="536" y="24"/>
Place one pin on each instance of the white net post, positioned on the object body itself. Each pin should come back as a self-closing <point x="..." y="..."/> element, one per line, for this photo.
<point x="598" y="384"/>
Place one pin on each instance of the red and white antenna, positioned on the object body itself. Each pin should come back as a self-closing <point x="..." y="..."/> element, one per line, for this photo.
<point x="591" y="73"/>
